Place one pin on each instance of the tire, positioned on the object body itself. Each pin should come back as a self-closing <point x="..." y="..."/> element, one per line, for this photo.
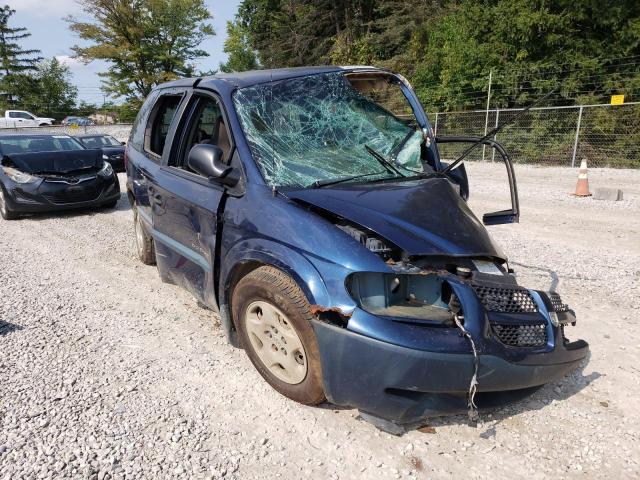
<point x="5" y="212"/>
<point x="144" y="243"/>
<point x="257" y="296"/>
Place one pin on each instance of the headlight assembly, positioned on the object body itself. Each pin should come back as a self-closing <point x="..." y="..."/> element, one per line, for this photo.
<point x="106" y="171"/>
<point x="411" y="296"/>
<point x="18" y="176"/>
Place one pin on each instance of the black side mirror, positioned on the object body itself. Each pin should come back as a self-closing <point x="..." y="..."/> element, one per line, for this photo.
<point x="206" y="160"/>
<point x="123" y="143"/>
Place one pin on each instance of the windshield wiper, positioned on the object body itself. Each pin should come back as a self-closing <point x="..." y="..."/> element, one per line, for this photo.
<point x="389" y="167"/>
<point x="494" y="131"/>
<point x="335" y="181"/>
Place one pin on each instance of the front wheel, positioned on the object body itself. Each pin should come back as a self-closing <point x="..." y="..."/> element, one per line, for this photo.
<point x="144" y="243"/>
<point x="273" y="318"/>
<point x="5" y="212"/>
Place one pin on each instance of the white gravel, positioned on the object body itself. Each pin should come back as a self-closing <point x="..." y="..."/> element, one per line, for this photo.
<point x="105" y="372"/>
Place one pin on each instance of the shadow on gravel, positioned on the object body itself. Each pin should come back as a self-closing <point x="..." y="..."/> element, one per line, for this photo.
<point x="121" y="206"/>
<point x="520" y="401"/>
<point x="8" y="327"/>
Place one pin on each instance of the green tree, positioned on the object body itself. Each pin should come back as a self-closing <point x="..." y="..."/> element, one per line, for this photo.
<point x="146" y="42"/>
<point x="84" y="109"/>
<point x="49" y="90"/>
<point x="241" y="56"/>
<point x="15" y="61"/>
<point x="448" y="47"/>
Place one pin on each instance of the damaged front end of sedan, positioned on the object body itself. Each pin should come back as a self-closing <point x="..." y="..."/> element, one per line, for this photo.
<point x="45" y="172"/>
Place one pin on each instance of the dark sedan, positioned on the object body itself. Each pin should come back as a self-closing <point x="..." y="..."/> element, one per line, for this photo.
<point x="44" y="172"/>
<point x="112" y="148"/>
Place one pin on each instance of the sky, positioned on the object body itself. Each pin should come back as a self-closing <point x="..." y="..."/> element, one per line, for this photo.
<point x="50" y="34"/>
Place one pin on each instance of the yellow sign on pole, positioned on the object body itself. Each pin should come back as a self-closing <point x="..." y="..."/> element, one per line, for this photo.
<point x="617" y="99"/>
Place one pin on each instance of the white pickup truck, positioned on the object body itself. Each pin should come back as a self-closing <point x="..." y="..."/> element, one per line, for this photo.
<point x="21" y="118"/>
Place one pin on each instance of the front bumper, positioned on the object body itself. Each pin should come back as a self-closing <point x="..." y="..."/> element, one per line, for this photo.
<point x="53" y="197"/>
<point x="403" y="386"/>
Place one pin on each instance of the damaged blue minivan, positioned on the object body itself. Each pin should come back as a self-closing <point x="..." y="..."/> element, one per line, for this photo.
<point x="310" y="207"/>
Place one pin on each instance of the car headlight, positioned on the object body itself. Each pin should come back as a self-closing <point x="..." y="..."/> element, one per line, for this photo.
<point x="106" y="170"/>
<point x="18" y="176"/>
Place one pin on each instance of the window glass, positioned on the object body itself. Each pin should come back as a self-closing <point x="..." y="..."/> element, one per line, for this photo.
<point x="100" y="141"/>
<point x="206" y="126"/>
<point x="91" y="142"/>
<point x="42" y="143"/>
<point x="109" y="141"/>
<point x="136" y="138"/>
<point x="160" y="122"/>
<point x="328" y="127"/>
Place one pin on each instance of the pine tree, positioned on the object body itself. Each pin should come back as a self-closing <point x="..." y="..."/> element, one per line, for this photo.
<point x="15" y="62"/>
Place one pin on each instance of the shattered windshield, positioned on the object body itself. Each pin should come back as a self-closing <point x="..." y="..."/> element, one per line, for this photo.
<point x="317" y="128"/>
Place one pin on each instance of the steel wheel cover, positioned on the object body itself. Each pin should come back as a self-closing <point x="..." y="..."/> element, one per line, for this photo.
<point x="276" y="342"/>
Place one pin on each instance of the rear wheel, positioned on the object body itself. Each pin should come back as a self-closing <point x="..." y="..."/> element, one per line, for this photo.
<point x="5" y="212"/>
<point x="273" y="317"/>
<point x="144" y="242"/>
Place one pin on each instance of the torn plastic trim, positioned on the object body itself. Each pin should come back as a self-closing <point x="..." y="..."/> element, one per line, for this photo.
<point x="331" y="315"/>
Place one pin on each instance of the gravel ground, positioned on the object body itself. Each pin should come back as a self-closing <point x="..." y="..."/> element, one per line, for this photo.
<point x="105" y="372"/>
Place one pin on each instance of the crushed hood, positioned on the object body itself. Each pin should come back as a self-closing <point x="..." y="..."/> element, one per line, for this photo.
<point x="424" y="217"/>
<point x="56" y="162"/>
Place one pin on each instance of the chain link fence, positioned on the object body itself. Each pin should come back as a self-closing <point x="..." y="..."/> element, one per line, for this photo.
<point x="120" y="130"/>
<point x="605" y="135"/>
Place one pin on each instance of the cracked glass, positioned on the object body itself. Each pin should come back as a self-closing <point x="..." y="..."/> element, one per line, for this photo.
<point x="315" y="128"/>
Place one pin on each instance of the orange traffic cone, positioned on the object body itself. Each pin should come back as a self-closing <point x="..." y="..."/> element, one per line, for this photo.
<point x="582" y="187"/>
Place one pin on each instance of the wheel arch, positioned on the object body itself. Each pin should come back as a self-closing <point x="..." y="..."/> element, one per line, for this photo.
<point x="244" y="258"/>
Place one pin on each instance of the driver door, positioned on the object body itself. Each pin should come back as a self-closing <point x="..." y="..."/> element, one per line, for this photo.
<point x="186" y="212"/>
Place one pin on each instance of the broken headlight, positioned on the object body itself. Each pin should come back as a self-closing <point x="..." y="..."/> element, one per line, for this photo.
<point x="411" y="296"/>
<point x="371" y="241"/>
<point x="18" y="176"/>
<point x="106" y="171"/>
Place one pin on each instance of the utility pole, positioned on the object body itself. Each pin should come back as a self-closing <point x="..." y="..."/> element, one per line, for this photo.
<point x="486" y="116"/>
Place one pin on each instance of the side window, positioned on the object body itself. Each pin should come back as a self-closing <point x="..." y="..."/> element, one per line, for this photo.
<point x="205" y="125"/>
<point x="136" y="139"/>
<point x="90" y="142"/>
<point x="159" y="123"/>
<point x="14" y="115"/>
